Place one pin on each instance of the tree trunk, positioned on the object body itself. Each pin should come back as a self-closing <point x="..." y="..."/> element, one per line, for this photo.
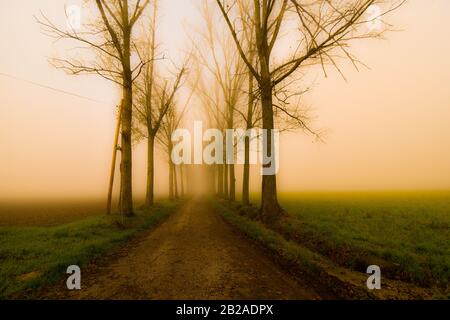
<point x="149" y="198"/>
<point x="126" y="189"/>
<point x="270" y="208"/>
<point x="181" y="180"/>
<point x="246" y="173"/>
<point x="170" y="181"/>
<point x="225" y="181"/>
<point x="232" y="183"/>
<point x="220" y="180"/>
<point x="126" y="203"/>
<point x="171" y="175"/>
<point x="212" y="173"/>
<point x="119" y="205"/>
<point x="175" y="182"/>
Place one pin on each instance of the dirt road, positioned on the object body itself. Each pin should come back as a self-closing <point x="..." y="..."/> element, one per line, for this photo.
<point x="192" y="255"/>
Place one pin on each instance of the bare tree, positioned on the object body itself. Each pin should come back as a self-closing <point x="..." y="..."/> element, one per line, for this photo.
<point x="155" y="100"/>
<point x="323" y="34"/>
<point x="251" y="115"/>
<point x="171" y="121"/>
<point x="222" y="61"/>
<point x="147" y="114"/>
<point x="111" y="38"/>
<point x="210" y="95"/>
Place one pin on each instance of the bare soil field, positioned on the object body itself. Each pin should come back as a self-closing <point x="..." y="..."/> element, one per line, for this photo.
<point x="47" y="214"/>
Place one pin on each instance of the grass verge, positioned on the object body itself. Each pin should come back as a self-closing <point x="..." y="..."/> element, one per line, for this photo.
<point x="297" y="257"/>
<point x="301" y="260"/>
<point x="32" y="257"/>
<point x="406" y="234"/>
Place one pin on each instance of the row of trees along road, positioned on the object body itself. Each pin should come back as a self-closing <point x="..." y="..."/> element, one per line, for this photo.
<point x="244" y="76"/>
<point x="323" y="31"/>
<point x="119" y="31"/>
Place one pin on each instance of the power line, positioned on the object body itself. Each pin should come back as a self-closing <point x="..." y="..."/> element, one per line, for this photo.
<point x="50" y="88"/>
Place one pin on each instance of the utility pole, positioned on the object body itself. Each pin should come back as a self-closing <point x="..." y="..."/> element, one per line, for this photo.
<point x="114" y="157"/>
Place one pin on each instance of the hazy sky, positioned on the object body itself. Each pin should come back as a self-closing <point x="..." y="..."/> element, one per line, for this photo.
<point x="387" y="128"/>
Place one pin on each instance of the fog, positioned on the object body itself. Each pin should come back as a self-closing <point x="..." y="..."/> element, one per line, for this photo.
<point x="386" y="128"/>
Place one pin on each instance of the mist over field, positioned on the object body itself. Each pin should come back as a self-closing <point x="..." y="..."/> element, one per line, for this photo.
<point x="386" y="128"/>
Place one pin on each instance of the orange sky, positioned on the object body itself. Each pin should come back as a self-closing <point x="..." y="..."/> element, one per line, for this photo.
<point x="387" y="128"/>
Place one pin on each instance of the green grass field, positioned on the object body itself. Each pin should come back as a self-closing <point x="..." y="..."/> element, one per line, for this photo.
<point x="34" y="256"/>
<point x="408" y="234"/>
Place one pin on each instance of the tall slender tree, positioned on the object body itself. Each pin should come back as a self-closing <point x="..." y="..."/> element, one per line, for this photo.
<point x="155" y="101"/>
<point x="325" y="28"/>
<point x="222" y="61"/>
<point x="111" y="37"/>
<point x="149" y="114"/>
<point x="171" y="121"/>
